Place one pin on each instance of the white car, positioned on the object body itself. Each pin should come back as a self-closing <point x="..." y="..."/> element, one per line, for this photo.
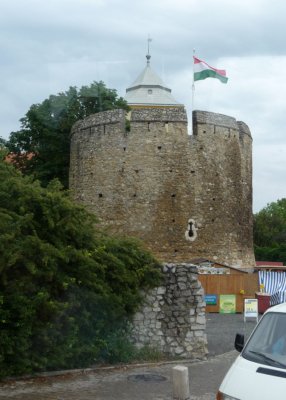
<point x="259" y="372"/>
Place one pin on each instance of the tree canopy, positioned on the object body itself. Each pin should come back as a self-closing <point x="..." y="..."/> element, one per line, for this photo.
<point x="65" y="287"/>
<point x="2" y="143"/>
<point x="45" y="129"/>
<point x="270" y="232"/>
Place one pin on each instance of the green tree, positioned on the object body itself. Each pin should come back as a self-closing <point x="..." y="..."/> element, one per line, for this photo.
<point x="275" y="253"/>
<point x="270" y="224"/>
<point x="2" y="142"/>
<point x="65" y="287"/>
<point x="270" y="232"/>
<point x="45" y="129"/>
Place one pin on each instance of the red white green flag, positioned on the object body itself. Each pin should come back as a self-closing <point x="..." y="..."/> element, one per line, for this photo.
<point x="202" y="71"/>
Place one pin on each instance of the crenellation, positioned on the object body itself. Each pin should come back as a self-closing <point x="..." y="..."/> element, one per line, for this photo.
<point x="243" y="129"/>
<point x="100" y="124"/>
<point x="166" y="115"/>
<point x="209" y="118"/>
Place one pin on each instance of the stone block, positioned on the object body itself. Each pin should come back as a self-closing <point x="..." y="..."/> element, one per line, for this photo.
<point x="161" y="290"/>
<point x="201" y="320"/>
<point x="179" y="350"/>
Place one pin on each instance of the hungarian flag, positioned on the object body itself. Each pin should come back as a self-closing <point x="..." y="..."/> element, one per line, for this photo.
<point x="202" y="71"/>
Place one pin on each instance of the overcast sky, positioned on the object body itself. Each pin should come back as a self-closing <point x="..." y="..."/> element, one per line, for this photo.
<point x="49" y="45"/>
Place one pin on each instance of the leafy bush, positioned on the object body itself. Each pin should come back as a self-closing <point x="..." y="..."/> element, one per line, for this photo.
<point x="66" y="289"/>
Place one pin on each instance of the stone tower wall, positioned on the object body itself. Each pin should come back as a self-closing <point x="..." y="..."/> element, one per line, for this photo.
<point x="222" y="163"/>
<point x="184" y="196"/>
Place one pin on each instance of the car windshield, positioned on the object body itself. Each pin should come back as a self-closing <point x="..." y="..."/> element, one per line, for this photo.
<point x="267" y="345"/>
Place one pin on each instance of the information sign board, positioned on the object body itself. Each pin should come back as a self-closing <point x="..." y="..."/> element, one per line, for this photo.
<point x="211" y="299"/>
<point x="227" y="303"/>
<point x="250" y="308"/>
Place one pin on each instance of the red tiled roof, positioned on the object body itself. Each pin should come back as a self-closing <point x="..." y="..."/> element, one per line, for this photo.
<point x="270" y="263"/>
<point x="12" y="157"/>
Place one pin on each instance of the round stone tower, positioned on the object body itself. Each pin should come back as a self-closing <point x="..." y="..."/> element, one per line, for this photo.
<point x="184" y="196"/>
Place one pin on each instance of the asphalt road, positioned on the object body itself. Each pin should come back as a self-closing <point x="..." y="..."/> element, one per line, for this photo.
<point x="222" y="328"/>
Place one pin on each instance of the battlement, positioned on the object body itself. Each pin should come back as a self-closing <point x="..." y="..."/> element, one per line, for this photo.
<point x="210" y="118"/>
<point x="110" y="117"/>
<point x="243" y="129"/>
<point x="162" y="114"/>
<point x="218" y="123"/>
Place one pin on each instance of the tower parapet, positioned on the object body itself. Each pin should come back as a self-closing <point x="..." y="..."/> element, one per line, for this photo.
<point x="214" y="119"/>
<point x="171" y="114"/>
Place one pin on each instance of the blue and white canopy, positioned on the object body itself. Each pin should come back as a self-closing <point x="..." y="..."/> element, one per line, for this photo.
<point x="274" y="284"/>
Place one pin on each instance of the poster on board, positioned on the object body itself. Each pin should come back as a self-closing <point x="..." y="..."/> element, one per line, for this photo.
<point x="227" y="303"/>
<point x="250" y="308"/>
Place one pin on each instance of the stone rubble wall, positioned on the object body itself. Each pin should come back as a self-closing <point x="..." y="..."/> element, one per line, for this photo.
<point x="172" y="319"/>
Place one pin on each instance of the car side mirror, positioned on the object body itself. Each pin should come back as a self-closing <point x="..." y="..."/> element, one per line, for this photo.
<point x="239" y="342"/>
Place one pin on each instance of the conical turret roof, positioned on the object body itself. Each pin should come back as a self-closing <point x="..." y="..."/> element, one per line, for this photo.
<point x="149" y="90"/>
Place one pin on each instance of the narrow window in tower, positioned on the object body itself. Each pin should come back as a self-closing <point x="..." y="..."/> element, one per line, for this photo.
<point x="150" y="91"/>
<point x="191" y="232"/>
<point x="167" y="126"/>
<point x="159" y="147"/>
<point x="100" y="194"/>
<point x="149" y="126"/>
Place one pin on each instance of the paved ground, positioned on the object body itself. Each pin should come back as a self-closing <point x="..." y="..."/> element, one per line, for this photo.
<point x="221" y="330"/>
<point x="145" y="382"/>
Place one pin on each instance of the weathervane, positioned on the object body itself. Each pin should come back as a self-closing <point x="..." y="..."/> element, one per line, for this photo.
<point x="148" y="47"/>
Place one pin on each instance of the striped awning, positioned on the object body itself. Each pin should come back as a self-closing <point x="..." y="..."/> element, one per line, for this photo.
<point x="275" y="284"/>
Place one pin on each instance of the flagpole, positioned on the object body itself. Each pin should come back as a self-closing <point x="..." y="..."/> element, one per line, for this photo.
<point x="193" y="93"/>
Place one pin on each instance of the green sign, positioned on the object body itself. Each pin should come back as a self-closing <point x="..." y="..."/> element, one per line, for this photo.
<point x="227" y="303"/>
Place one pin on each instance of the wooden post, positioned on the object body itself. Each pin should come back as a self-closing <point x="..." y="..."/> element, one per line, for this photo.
<point x="181" y="390"/>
